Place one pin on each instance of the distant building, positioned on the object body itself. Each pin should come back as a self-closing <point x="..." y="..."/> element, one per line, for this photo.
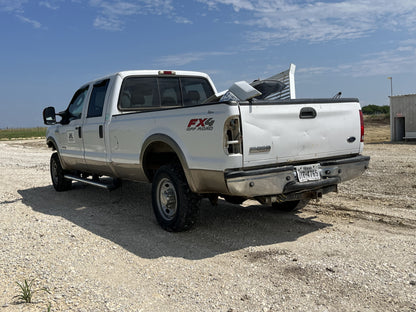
<point x="403" y="117"/>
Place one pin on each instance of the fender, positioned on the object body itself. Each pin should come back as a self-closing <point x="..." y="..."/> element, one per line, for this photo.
<point x="159" y="137"/>
<point x="50" y="141"/>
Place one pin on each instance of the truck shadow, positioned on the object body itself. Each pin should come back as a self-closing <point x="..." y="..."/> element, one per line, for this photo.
<point x="125" y="217"/>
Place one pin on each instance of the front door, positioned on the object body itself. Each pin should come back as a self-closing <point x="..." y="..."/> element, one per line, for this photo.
<point x="70" y="133"/>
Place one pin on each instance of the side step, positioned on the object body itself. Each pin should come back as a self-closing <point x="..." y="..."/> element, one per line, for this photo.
<point x="106" y="186"/>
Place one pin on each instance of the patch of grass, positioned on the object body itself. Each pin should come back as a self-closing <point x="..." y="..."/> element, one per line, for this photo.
<point x="377" y="128"/>
<point x="27" y="291"/>
<point x="377" y="119"/>
<point x="22" y="133"/>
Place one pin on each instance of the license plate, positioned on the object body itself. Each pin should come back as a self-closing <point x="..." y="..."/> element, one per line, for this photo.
<point x="308" y="173"/>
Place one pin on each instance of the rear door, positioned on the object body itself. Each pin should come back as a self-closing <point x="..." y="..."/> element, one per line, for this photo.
<point x="93" y="129"/>
<point x="296" y="131"/>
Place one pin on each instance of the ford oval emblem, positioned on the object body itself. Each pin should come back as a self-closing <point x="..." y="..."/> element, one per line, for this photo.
<point x="351" y="139"/>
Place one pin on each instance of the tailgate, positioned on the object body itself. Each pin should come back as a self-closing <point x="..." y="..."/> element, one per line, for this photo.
<point x="299" y="130"/>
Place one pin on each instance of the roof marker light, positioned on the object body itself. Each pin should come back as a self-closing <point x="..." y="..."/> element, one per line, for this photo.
<point x="166" y="72"/>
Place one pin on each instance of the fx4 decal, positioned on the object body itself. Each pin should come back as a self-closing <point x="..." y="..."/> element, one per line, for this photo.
<point x="200" y="124"/>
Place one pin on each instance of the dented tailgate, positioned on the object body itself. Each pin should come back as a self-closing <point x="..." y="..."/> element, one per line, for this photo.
<point x="299" y="130"/>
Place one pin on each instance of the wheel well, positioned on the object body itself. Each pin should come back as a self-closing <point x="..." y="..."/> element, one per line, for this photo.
<point x="51" y="144"/>
<point x="156" y="155"/>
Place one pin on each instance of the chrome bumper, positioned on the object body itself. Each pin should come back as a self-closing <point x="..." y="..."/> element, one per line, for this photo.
<point x="283" y="180"/>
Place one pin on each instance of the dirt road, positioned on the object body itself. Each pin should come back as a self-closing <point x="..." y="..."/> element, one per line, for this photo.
<point x="103" y="251"/>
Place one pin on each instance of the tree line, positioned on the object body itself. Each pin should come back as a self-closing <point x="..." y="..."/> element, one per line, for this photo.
<point x="375" y="109"/>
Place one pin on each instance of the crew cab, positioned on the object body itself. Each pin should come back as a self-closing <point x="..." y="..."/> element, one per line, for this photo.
<point x="174" y="130"/>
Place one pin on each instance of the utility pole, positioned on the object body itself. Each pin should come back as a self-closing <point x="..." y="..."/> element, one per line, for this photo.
<point x="391" y="85"/>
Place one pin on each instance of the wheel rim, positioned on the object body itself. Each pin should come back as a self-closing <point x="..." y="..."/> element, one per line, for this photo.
<point x="167" y="201"/>
<point x="54" y="171"/>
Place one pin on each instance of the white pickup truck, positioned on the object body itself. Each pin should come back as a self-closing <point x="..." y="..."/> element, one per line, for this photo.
<point x="174" y="130"/>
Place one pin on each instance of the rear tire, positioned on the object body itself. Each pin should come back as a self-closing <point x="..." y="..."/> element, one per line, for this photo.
<point x="60" y="183"/>
<point x="175" y="206"/>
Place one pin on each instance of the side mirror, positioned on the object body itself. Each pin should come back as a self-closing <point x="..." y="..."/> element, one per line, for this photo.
<point x="49" y="116"/>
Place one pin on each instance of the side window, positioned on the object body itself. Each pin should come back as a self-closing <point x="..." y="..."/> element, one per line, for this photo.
<point x="139" y="93"/>
<point x="170" y="92"/>
<point x="77" y="103"/>
<point x="95" y="107"/>
<point x="195" y="90"/>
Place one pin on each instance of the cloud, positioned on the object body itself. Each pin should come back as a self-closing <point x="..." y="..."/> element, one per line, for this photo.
<point x="186" y="58"/>
<point x="182" y="20"/>
<point x="277" y="21"/>
<point x="51" y="4"/>
<point x="112" y="14"/>
<point x="12" y="5"/>
<point x="34" y="23"/>
<point x="236" y="4"/>
<point x="15" y="6"/>
<point x="399" y="60"/>
<point x="387" y="63"/>
<point x="108" y="23"/>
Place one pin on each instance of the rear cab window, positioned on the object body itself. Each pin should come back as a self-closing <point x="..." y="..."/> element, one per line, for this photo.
<point x="195" y="91"/>
<point x="97" y="98"/>
<point x="140" y="93"/>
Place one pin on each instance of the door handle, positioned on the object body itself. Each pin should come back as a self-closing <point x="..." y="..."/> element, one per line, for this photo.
<point x="307" y="113"/>
<point x="100" y="131"/>
<point x="79" y="132"/>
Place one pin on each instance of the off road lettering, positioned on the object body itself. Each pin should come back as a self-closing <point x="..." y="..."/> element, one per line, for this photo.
<point x="200" y="124"/>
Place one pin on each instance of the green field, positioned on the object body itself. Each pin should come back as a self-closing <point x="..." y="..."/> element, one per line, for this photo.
<point x="22" y="133"/>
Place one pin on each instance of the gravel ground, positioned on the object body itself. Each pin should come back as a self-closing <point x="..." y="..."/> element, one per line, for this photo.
<point x="103" y="251"/>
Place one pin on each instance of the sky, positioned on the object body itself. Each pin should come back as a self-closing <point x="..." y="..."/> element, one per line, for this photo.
<point x="49" y="48"/>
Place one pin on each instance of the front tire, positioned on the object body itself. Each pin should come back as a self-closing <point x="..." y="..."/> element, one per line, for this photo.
<point x="60" y="183"/>
<point x="175" y="206"/>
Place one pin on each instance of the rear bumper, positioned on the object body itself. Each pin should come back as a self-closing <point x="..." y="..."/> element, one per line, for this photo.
<point x="283" y="180"/>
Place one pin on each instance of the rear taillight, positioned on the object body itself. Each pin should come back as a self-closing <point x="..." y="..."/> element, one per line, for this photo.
<point x="232" y="136"/>
<point x="362" y="126"/>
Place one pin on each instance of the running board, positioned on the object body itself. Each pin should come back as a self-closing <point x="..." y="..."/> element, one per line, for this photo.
<point x="106" y="186"/>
